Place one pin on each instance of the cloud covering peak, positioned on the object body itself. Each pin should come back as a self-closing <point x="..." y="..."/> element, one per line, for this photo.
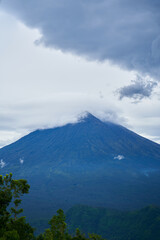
<point x="125" y="32"/>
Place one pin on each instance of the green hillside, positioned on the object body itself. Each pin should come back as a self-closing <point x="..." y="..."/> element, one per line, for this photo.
<point x="142" y="224"/>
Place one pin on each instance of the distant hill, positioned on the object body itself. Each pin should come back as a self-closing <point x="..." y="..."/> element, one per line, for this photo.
<point x="116" y="225"/>
<point x="90" y="162"/>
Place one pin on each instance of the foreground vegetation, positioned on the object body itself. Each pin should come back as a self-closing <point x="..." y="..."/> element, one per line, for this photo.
<point x="13" y="227"/>
<point x="142" y="224"/>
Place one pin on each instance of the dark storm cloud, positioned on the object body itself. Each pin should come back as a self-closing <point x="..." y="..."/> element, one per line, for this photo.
<point x="123" y="31"/>
<point x="138" y="89"/>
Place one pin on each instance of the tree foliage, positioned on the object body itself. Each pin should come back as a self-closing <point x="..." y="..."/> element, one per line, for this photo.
<point x="58" y="230"/>
<point x="11" y="226"/>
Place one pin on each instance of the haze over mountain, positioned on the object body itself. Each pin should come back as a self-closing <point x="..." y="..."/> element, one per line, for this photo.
<point x="89" y="162"/>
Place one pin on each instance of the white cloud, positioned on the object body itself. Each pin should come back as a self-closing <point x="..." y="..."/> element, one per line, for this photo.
<point x="9" y="136"/>
<point x="2" y="163"/>
<point x="119" y="157"/>
<point x="21" y="161"/>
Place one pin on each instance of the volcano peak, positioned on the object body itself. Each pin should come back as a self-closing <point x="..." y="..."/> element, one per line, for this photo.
<point x="88" y="117"/>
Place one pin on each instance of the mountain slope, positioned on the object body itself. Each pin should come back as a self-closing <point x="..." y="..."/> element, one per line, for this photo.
<point x="84" y="142"/>
<point x="89" y="162"/>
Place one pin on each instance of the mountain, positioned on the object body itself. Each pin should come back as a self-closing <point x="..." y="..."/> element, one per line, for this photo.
<point x="86" y="142"/>
<point x="89" y="162"/>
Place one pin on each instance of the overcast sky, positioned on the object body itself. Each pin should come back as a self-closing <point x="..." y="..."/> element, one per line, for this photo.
<point x="60" y="58"/>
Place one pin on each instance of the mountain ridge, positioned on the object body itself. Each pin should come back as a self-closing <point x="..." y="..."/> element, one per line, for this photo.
<point x="110" y="138"/>
<point x="86" y="117"/>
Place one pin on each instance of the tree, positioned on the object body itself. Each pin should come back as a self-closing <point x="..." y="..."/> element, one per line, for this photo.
<point x="5" y="199"/>
<point x="58" y="230"/>
<point x="12" y="226"/>
<point x="18" y="188"/>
